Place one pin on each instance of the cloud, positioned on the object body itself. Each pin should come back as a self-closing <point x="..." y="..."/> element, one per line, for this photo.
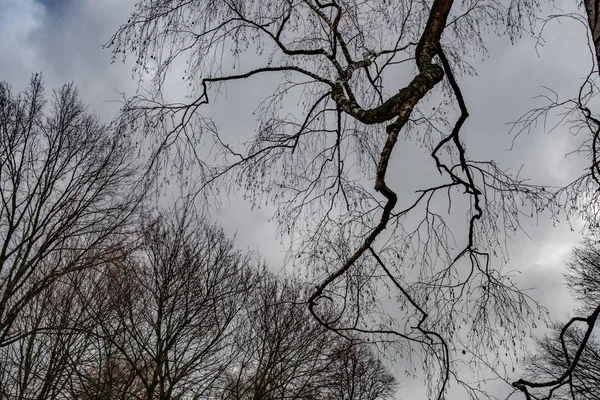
<point x="56" y="6"/>
<point x="20" y="21"/>
<point x="64" y="38"/>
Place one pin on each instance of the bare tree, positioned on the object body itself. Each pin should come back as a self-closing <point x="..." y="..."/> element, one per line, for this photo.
<point x="592" y="9"/>
<point x="567" y="363"/>
<point x="66" y="193"/>
<point x="551" y="360"/>
<point x="40" y="365"/>
<point x="167" y="313"/>
<point x="357" y="374"/>
<point x="325" y="164"/>
<point x="101" y="371"/>
<point x="284" y="353"/>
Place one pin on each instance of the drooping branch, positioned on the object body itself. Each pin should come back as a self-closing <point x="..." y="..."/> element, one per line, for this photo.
<point x="579" y="104"/>
<point x="311" y="165"/>
<point x="524" y="385"/>
<point x="399" y="107"/>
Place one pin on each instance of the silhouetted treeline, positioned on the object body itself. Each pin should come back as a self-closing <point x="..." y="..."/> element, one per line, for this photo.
<point x="101" y="298"/>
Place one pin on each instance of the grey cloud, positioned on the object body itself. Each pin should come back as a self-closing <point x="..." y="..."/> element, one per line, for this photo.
<point x="64" y="39"/>
<point x="57" y="6"/>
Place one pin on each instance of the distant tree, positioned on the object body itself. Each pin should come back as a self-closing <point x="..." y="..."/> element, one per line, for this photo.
<point x="551" y="361"/>
<point x="40" y="365"/>
<point x="356" y="374"/>
<point x="566" y="364"/>
<point x="167" y="313"/>
<point x="283" y="353"/>
<point x="101" y="371"/>
<point x="67" y="191"/>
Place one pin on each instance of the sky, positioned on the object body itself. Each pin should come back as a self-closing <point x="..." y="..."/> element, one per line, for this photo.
<point x="63" y="39"/>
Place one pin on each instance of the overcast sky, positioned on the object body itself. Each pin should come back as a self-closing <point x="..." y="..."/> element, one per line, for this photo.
<point x="63" y="39"/>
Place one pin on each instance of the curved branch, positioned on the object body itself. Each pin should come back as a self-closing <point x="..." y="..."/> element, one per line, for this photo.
<point x="523" y="385"/>
<point x="399" y="107"/>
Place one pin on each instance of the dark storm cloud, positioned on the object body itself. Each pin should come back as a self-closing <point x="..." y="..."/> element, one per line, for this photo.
<point x="56" y="7"/>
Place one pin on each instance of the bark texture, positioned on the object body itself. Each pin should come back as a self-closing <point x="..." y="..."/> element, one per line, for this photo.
<point x="592" y="8"/>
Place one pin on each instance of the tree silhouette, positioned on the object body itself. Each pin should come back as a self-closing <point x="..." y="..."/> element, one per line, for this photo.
<point x="327" y="164"/>
<point x="67" y="192"/>
<point x="565" y="364"/>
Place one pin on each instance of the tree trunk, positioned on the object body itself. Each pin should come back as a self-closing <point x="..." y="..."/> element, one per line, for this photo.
<point x="592" y="8"/>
